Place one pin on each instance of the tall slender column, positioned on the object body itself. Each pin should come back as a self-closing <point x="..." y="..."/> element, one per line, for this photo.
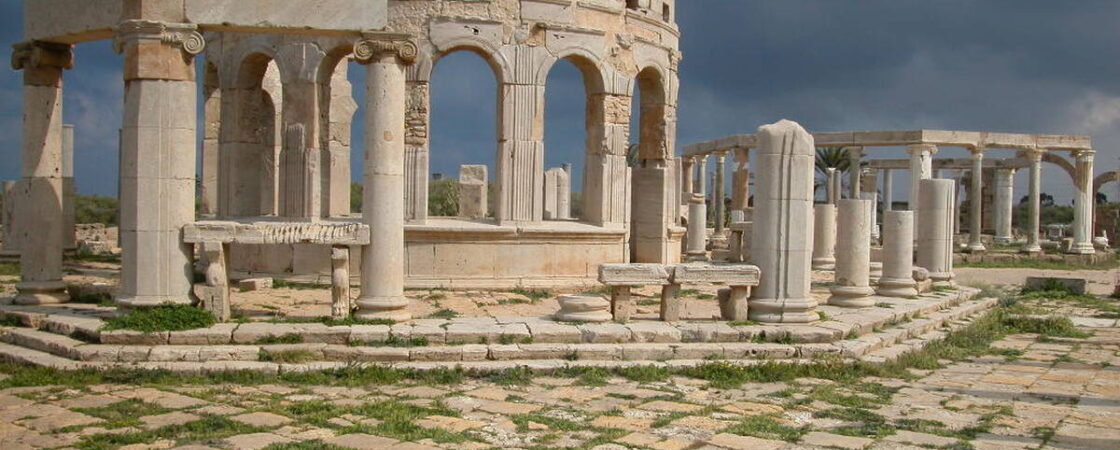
<point x="824" y="236"/>
<point x="1083" y="205"/>
<point x="69" y="239"/>
<point x="1034" y="202"/>
<point x="521" y="154"/>
<point x="779" y="244"/>
<point x="855" y="157"/>
<point x="832" y="192"/>
<point x="1005" y="195"/>
<point x="417" y="150"/>
<point x="701" y="185"/>
<point x="686" y="179"/>
<point x="935" y="241"/>
<point x="740" y="185"/>
<point x="696" y="239"/>
<point x="721" y="191"/>
<point x="39" y="208"/>
<point x="382" y="292"/>
<point x="158" y="150"/>
<point x="888" y="191"/>
<point x="976" y="202"/>
<point x="606" y="176"/>
<point x="921" y="168"/>
<point x="853" y="256"/>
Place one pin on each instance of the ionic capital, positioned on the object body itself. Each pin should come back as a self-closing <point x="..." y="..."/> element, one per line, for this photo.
<point x="977" y="153"/>
<point x="40" y="54"/>
<point x="918" y="149"/>
<point x="1084" y="155"/>
<point x="374" y="46"/>
<point x="185" y="36"/>
<point x="1033" y="155"/>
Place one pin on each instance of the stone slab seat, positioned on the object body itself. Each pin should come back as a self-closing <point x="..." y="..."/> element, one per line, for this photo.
<point x="733" y="304"/>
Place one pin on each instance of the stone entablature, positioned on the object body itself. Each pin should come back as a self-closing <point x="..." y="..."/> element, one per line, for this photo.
<point x="967" y="139"/>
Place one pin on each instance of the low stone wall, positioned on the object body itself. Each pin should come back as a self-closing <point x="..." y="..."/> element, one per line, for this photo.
<point x="1098" y="258"/>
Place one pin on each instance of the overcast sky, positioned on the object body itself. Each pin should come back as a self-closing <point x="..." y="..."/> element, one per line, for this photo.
<point x="1029" y="66"/>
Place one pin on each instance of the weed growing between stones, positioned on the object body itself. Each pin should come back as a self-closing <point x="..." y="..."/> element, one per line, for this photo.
<point x="210" y="428"/>
<point x="295" y="356"/>
<point x="534" y="295"/>
<point x="162" y="318"/>
<point x="9" y="269"/>
<point x="290" y="338"/>
<point x="767" y="427"/>
<point x="123" y="413"/>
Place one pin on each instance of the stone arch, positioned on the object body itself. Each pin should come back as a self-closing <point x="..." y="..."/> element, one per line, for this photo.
<point x="588" y="63"/>
<point x="336" y="113"/>
<point x="482" y="48"/>
<point x="249" y="146"/>
<point x="1103" y="179"/>
<point x="652" y="97"/>
<point x="1059" y="161"/>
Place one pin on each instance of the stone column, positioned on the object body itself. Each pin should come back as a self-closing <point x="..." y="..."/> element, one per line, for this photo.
<point x="779" y="244"/>
<point x="701" y="185"/>
<point x="720" y="191"/>
<point x="1005" y="204"/>
<point x="898" y="255"/>
<point x="872" y="214"/>
<point x="69" y="239"/>
<point x="976" y="203"/>
<point x="382" y="282"/>
<point x="921" y="168"/>
<point x="935" y="238"/>
<point x="564" y="193"/>
<point x="1083" y="205"/>
<point x="606" y="176"/>
<point x="158" y="161"/>
<point x="1033" y="200"/>
<point x="472" y="191"/>
<point x="39" y="208"/>
<point x="686" y="179"/>
<point x="855" y="156"/>
<point x="824" y="237"/>
<point x="740" y="186"/>
<point x="417" y="116"/>
<point x="7" y="222"/>
<point x="697" y="236"/>
<point x="853" y="256"/>
<point x="888" y="191"/>
<point x="832" y="190"/>
<point x="521" y="155"/>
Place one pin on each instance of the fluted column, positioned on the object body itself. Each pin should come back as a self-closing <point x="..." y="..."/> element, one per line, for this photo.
<point x="1005" y="203"/>
<point x="686" y="179"/>
<point x="824" y="237"/>
<point x="888" y="191"/>
<point x="720" y="191"/>
<point x="69" y="237"/>
<point x="39" y="208"/>
<point x="382" y="292"/>
<point x="158" y="148"/>
<point x="701" y="185"/>
<point x="1083" y="205"/>
<point x="1034" y="202"/>
<point x="976" y="202"/>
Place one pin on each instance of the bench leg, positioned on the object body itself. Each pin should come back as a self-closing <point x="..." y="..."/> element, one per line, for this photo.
<point x="213" y="295"/>
<point x="733" y="303"/>
<point x="340" y="282"/>
<point x="621" y="305"/>
<point x="671" y="303"/>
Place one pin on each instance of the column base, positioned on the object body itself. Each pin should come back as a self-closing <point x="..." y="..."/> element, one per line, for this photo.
<point x="944" y="279"/>
<point x="1032" y="249"/>
<point x="851" y="296"/>
<point x="149" y="301"/>
<point x="824" y="264"/>
<point x="41" y="293"/>
<point x="976" y="248"/>
<point x="897" y="287"/>
<point x="1082" y="248"/>
<point x="391" y="308"/>
<point x="1003" y="240"/>
<point x="777" y="310"/>
<point x="696" y="257"/>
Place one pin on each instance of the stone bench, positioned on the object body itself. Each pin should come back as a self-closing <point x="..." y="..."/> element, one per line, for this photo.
<point x="214" y="238"/>
<point x="733" y="301"/>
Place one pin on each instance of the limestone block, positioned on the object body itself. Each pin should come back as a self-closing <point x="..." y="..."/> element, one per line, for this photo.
<point x="1074" y="285"/>
<point x="708" y="332"/>
<point x="621" y="304"/>
<point x="473" y="182"/>
<point x="129" y="337"/>
<point x="654" y="332"/>
<point x="276" y="233"/>
<point x="221" y="333"/>
<point x="583" y="308"/>
<point x="254" y="284"/>
<point x="733" y="303"/>
<point x="671" y="304"/>
<point x="353" y="15"/>
<point x="633" y="274"/>
<point x="647" y="352"/>
<point x="367" y="333"/>
<point x="549" y="333"/>
<point x="604" y="333"/>
<point x="731" y="275"/>
<point x="341" y="303"/>
<point x="366" y="354"/>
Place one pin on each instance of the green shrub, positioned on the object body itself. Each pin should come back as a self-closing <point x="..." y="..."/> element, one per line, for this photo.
<point x="95" y="209"/>
<point x="162" y="318"/>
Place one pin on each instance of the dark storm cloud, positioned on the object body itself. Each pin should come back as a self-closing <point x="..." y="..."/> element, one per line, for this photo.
<point x="1010" y="65"/>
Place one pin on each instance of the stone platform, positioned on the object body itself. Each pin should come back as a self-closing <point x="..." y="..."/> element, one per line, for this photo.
<point x="70" y="336"/>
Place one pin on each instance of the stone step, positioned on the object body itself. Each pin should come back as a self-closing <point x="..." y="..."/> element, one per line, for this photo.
<point x="23" y="355"/>
<point x="43" y="341"/>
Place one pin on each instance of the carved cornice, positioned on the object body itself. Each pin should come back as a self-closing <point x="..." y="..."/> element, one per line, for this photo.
<point x="375" y="45"/>
<point x="185" y="36"/>
<point x="35" y="54"/>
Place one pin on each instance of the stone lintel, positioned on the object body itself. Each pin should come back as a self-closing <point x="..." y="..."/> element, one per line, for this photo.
<point x="633" y="274"/>
<point x="276" y="233"/>
<point x="731" y="275"/>
<point x="947" y="138"/>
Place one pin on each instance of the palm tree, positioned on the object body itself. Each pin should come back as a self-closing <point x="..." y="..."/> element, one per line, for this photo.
<point x="832" y="158"/>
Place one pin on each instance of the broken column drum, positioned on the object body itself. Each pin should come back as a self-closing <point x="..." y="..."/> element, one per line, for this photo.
<point x="780" y="247"/>
<point x="853" y="256"/>
<point x="824" y="237"/>
<point x="935" y="238"/>
<point x="898" y="255"/>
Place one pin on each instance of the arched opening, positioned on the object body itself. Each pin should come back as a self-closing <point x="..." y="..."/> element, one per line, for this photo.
<point x="250" y="141"/>
<point x="209" y="134"/>
<point x="463" y="133"/>
<point x="567" y="134"/>
<point x="337" y="117"/>
<point x="651" y="177"/>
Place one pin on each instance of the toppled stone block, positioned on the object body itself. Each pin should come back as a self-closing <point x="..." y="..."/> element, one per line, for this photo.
<point x="254" y="284"/>
<point x="633" y="274"/>
<point x="583" y="308"/>
<point x="1073" y="285"/>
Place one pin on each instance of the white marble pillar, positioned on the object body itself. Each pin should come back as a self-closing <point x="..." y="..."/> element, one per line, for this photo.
<point x="1034" y="203"/>
<point x="1083" y="205"/>
<point x="158" y="151"/>
<point x="696" y="240"/>
<point x="382" y="280"/>
<point x="888" y="190"/>
<point x="832" y="191"/>
<point x="824" y="237"/>
<point x="976" y="202"/>
<point x="935" y="239"/>
<point x="853" y="256"/>
<point x="39" y="208"/>
<point x="701" y="184"/>
<point x="872" y="214"/>
<point x="855" y="160"/>
<point x="520" y="174"/>
<point x="780" y="247"/>
<point x="69" y="238"/>
<point x="898" y="255"/>
<point x="1005" y="204"/>
<point x="740" y="186"/>
<point x="686" y="179"/>
<point x="720" y="192"/>
<point x="921" y="168"/>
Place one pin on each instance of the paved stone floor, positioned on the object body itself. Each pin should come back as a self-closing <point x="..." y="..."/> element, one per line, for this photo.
<point x="1037" y="392"/>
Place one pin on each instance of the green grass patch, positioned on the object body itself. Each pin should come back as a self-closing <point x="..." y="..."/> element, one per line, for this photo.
<point x="299" y="286"/>
<point x="534" y="295"/>
<point x="554" y="424"/>
<point x="209" y="428"/>
<point x="1034" y="263"/>
<point x="331" y="322"/>
<point x="743" y="323"/>
<point x="290" y="338"/>
<point x="100" y="298"/>
<point x="444" y="314"/>
<point x="162" y="318"/>
<point x="9" y="269"/>
<point x="397" y="341"/>
<point x="645" y="374"/>
<point x="766" y="427"/>
<point x="10" y="321"/>
<point x="295" y="356"/>
<point x="1050" y="326"/>
<point x="124" y="413"/>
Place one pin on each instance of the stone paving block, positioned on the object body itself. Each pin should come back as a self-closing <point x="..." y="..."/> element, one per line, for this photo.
<point x="835" y="440"/>
<point x="475" y="353"/>
<point x="647" y="352"/>
<point x="433" y="334"/>
<point x="508" y="408"/>
<point x="221" y="333"/>
<point x="811" y="334"/>
<point x="699" y="351"/>
<point x="449" y="424"/>
<point x="163" y="420"/>
<point x="130" y="337"/>
<point x="708" y="332"/>
<point x="366" y="354"/>
<point x="622" y="423"/>
<point x="228" y="353"/>
<point x="605" y="333"/>
<point x="549" y="351"/>
<point x="361" y="334"/>
<point x="439" y="353"/>
<point x="670" y="407"/>
<point x="93" y="401"/>
<point x="923" y="439"/>
<point x="262" y="419"/>
<point x="469" y="333"/>
<point x="654" y="332"/>
<point x="737" y="442"/>
<point x="555" y="333"/>
<point x="599" y="352"/>
<point x="255" y="441"/>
